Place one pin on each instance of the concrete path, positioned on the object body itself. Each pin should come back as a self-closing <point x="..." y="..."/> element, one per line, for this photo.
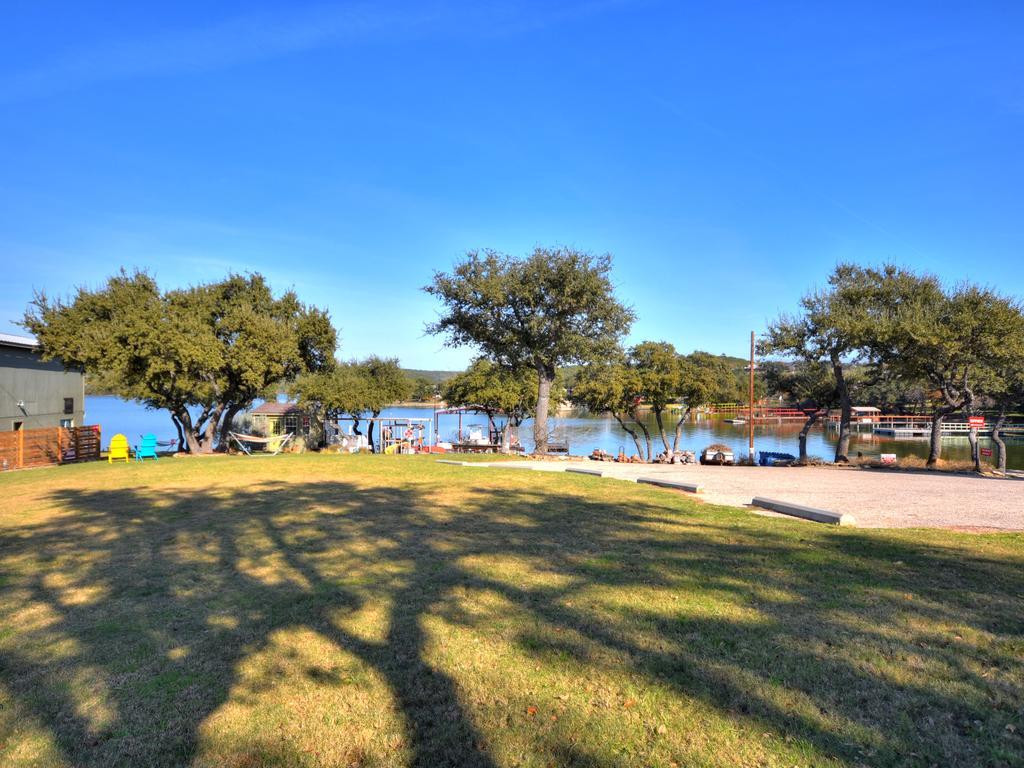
<point x="875" y="498"/>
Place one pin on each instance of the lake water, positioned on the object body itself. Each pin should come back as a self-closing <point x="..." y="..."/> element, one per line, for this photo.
<point x="585" y="432"/>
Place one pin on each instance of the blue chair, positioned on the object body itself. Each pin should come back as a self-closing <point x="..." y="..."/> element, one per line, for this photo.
<point x="146" y="449"/>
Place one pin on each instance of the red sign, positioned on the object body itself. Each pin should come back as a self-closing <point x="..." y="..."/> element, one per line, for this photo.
<point x="976" y="421"/>
<point x="986" y="451"/>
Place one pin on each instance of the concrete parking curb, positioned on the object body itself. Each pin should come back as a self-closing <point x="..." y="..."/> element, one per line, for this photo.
<point x="677" y="484"/>
<point x="581" y="471"/>
<point x="807" y="513"/>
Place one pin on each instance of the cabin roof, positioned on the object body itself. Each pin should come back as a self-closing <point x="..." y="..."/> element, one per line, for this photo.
<point x="274" y="408"/>
<point x="22" y="342"/>
<point x="865" y="409"/>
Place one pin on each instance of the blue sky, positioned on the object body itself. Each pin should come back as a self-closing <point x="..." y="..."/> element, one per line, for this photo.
<point x="727" y="154"/>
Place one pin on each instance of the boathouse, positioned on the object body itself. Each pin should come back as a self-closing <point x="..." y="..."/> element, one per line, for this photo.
<point x="865" y="414"/>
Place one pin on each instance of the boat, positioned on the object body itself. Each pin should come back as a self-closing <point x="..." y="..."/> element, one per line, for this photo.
<point x="737" y="420"/>
<point x="717" y="453"/>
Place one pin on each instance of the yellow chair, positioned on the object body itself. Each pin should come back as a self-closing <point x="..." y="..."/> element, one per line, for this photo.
<point x="118" y="449"/>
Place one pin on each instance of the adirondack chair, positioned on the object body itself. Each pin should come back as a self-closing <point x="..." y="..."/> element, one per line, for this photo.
<point x="119" y="449"/>
<point x="146" y="449"/>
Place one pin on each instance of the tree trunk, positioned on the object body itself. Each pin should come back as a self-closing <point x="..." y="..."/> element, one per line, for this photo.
<point x="632" y="433"/>
<point x="229" y="418"/>
<point x="491" y="427"/>
<point x="191" y="440"/>
<point x="972" y="440"/>
<point x="545" y="378"/>
<point x="210" y="431"/>
<point x="506" y="436"/>
<point x="845" y="414"/>
<point x="369" y="433"/>
<point x="811" y="420"/>
<point x="997" y="438"/>
<point x="647" y="436"/>
<point x="935" y="442"/>
<point x="661" y="428"/>
<point x="679" y="429"/>
<point x="181" y="434"/>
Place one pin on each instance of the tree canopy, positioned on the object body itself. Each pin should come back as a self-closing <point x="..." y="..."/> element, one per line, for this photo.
<point x="652" y="375"/>
<point x="899" y="336"/>
<point x="811" y="385"/>
<point x="552" y="308"/>
<point x="202" y="353"/>
<point x="832" y="328"/>
<point x="963" y="342"/>
<point x="358" y="389"/>
<point x="495" y="391"/>
<point x="613" y="386"/>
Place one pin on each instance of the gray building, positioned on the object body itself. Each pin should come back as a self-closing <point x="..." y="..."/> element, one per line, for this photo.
<point x="35" y="393"/>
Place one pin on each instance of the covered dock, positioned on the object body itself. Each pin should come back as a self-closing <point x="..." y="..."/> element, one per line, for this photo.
<point x="385" y="434"/>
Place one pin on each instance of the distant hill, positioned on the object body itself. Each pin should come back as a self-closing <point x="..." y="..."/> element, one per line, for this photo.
<point x="735" y="362"/>
<point x="435" y="377"/>
<point x="568" y="371"/>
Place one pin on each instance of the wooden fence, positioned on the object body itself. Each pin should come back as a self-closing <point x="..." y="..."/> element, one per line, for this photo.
<point x="43" y="447"/>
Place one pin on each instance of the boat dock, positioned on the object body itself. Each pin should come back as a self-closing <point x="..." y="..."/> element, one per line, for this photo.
<point x="762" y="412"/>
<point x="924" y="430"/>
<point x="903" y="426"/>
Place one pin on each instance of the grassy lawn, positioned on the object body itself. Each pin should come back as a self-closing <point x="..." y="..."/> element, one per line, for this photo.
<point x="387" y="611"/>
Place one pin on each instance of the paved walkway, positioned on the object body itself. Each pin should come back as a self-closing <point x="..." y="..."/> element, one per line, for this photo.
<point x="876" y="498"/>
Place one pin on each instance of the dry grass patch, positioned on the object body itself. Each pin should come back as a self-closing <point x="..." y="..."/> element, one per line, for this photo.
<point x="383" y="611"/>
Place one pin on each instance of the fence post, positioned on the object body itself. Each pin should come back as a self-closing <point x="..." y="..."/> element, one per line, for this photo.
<point x="21" y="447"/>
<point x="60" y="453"/>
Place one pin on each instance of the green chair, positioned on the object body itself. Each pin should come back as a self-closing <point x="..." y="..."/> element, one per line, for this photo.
<point x="146" y="449"/>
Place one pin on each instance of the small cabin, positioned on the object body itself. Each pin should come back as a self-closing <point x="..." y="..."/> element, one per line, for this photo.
<point x="274" y="418"/>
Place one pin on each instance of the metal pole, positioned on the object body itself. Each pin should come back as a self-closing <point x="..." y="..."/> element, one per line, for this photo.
<point x="750" y="421"/>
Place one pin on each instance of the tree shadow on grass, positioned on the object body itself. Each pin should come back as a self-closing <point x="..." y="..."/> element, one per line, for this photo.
<point x="150" y="604"/>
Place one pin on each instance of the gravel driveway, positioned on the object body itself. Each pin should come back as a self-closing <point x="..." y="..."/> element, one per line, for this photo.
<point x="876" y="498"/>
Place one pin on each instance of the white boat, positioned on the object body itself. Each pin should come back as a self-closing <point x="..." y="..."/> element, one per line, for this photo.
<point x="716" y="454"/>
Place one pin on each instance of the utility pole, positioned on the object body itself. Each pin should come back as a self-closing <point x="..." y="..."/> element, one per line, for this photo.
<point x="750" y="419"/>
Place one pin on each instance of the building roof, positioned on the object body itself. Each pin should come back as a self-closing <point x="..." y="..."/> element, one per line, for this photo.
<point x="865" y="409"/>
<point x="273" y="408"/>
<point x="24" y="342"/>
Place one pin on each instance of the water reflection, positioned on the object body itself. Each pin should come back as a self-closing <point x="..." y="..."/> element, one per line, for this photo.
<point x="585" y="432"/>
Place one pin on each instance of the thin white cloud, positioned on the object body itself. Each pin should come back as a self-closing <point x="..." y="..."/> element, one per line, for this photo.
<point x="261" y="36"/>
<point x="224" y="44"/>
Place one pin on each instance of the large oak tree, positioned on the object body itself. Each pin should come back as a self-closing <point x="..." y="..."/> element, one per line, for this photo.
<point x="552" y="308"/>
<point x="964" y="342"/>
<point x="202" y="353"/>
<point x="830" y="329"/>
